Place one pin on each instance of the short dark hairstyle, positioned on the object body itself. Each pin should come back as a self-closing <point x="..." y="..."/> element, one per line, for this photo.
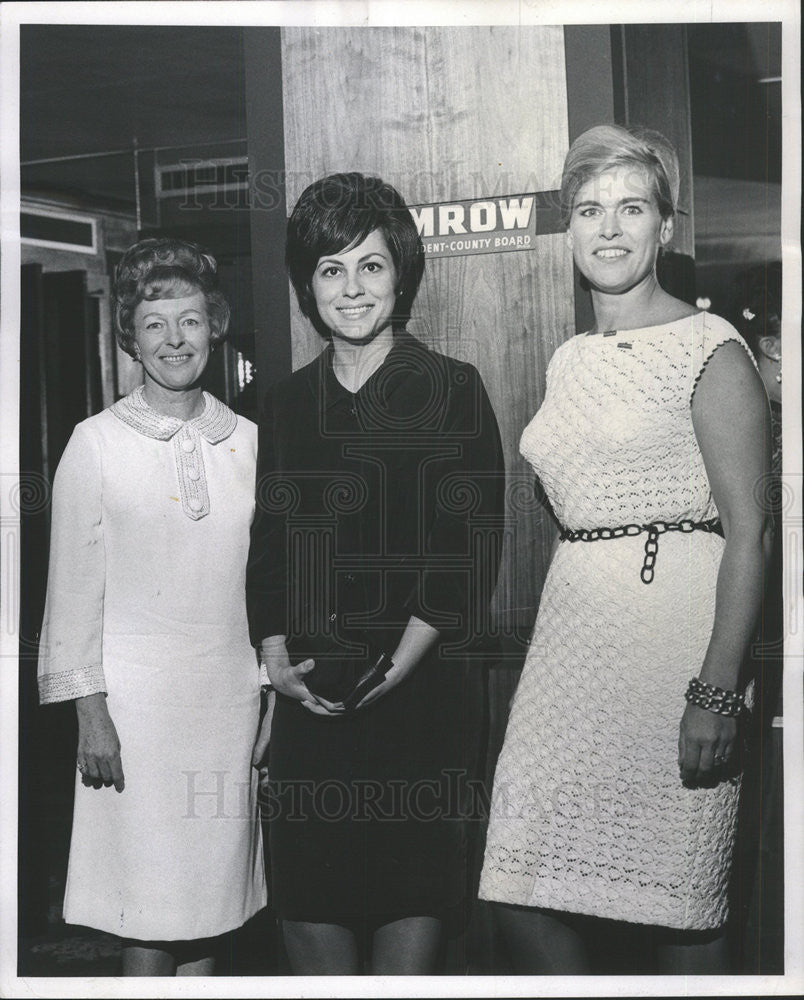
<point x="166" y="268"/>
<point x="759" y="303"/>
<point x="604" y="147"/>
<point x="337" y="213"/>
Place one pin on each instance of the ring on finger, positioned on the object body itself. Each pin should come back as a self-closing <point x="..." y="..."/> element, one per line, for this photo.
<point x="82" y="767"/>
<point x="719" y="759"/>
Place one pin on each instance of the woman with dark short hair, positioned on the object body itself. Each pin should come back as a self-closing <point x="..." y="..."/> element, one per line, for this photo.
<point x="145" y="629"/>
<point x="615" y="794"/>
<point x="374" y="550"/>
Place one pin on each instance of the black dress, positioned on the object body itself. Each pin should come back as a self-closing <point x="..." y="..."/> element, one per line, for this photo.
<point x="373" y="507"/>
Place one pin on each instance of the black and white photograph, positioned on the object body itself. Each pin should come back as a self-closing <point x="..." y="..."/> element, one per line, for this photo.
<point x="401" y="522"/>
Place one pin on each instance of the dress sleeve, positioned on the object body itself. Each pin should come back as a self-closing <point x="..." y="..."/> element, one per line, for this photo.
<point x="266" y="576"/>
<point x="463" y="540"/>
<point x="714" y="332"/>
<point x="71" y="643"/>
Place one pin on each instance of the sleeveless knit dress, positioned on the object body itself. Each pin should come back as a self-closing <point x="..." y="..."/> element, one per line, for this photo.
<point x="588" y="812"/>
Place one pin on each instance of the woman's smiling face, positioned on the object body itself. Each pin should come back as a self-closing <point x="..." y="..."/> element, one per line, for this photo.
<point x="616" y="229"/>
<point x="355" y="289"/>
<point x="173" y="337"/>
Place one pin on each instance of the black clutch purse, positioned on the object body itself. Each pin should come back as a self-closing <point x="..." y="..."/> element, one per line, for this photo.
<point x="374" y="676"/>
<point x="347" y="681"/>
<point x="338" y="664"/>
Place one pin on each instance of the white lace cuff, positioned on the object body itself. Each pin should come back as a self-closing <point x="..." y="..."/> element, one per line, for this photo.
<point x="66" y="684"/>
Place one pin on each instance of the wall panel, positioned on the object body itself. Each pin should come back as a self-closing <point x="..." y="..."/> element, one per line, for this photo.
<point x="447" y="114"/>
<point x="657" y="95"/>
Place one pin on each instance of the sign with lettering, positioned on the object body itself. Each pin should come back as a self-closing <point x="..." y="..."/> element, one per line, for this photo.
<point x="487" y="225"/>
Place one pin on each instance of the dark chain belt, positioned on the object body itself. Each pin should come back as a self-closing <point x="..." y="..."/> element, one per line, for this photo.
<point x="654" y="529"/>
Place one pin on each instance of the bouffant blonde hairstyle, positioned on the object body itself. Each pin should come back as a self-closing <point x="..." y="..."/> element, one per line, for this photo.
<point x="166" y="268"/>
<point x="605" y="147"/>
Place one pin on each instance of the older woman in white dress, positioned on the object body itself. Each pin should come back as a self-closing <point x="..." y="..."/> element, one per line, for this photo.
<point x="145" y="629"/>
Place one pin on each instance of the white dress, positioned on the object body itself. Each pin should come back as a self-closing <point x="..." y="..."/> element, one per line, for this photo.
<point x="588" y="811"/>
<point x="146" y="601"/>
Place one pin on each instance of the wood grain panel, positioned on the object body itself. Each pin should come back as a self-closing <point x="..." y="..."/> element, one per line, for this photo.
<point x="446" y="114"/>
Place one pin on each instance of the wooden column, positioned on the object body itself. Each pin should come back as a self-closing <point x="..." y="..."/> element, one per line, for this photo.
<point x="446" y="114"/>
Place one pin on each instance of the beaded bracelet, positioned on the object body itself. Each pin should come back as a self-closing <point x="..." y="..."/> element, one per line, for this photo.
<point x="714" y="699"/>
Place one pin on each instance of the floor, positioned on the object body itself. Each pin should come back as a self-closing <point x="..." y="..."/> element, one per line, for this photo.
<point x="68" y="950"/>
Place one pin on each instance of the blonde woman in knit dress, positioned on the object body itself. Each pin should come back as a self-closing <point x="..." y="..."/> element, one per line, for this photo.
<point x="145" y="629"/>
<point x="614" y="797"/>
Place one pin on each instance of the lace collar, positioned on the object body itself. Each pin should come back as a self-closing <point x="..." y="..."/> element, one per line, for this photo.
<point x="215" y="423"/>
